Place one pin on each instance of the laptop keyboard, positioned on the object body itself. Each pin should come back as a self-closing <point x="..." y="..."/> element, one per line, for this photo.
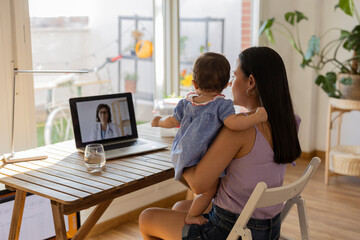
<point x="122" y="145"/>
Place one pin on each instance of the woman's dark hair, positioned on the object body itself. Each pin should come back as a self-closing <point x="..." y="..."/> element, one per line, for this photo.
<point x="269" y="72"/>
<point x="100" y="106"/>
<point x="211" y="72"/>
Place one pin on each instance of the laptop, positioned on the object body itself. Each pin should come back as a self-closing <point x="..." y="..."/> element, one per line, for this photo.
<point x="120" y="138"/>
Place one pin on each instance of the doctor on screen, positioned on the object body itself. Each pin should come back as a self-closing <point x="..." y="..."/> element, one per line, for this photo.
<point x="103" y="127"/>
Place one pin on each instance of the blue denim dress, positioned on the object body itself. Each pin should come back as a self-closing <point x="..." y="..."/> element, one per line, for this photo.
<point x="199" y="124"/>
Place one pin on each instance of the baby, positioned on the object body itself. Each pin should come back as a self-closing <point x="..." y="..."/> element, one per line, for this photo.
<point x="200" y="117"/>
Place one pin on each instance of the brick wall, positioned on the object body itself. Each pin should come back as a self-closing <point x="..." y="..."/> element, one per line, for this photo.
<point x="246" y="24"/>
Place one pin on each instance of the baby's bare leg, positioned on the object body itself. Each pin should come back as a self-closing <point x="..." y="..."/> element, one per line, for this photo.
<point x="199" y="205"/>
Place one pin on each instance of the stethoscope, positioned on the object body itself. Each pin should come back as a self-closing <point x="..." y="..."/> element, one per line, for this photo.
<point x="107" y="132"/>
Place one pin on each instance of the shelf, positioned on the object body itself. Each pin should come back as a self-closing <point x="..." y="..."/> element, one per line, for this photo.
<point x="345" y="104"/>
<point x="345" y="160"/>
<point x="340" y="159"/>
<point x="132" y="57"/>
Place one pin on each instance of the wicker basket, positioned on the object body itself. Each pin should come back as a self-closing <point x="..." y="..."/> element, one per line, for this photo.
<point x="345" y="160"/>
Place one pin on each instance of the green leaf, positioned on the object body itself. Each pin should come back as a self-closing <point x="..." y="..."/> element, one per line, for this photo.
<point x="300" y="16"/>
<point x="352" y="39"/>
<point x="331" y="77"/>
<point x="297" y="16"/>
<point x="346" y="46"/>
<point x="320" y="80"/>
<point x="290" y="17"/>
<point x="269" y="35"/>
<point x="344" y="34"/>
<point x="327" y="83"/>
<point x="266" y="25"/>
<point x="313" y="47"/>
<point x="346" y="81"/>
<point x="347" y="6"/>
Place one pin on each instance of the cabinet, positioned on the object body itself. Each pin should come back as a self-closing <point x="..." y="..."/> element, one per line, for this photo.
<point x="340" y="159"/>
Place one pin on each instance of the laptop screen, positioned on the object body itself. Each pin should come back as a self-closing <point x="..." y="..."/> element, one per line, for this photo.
<point x="103" y="119"/>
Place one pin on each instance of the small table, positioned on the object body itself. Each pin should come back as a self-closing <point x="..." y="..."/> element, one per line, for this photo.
<point x="339" y="159"/>
<point x="64" y="179"/>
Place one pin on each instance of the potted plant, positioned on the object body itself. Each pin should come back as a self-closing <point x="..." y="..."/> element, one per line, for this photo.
<point x="343" y="80"/>
<point x="130" y="82"/>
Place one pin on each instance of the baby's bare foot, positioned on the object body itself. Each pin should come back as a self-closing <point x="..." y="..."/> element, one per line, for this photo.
<point x="199" y="220"/>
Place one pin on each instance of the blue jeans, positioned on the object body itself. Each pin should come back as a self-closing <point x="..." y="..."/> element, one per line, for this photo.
<point x="221" y="222"/>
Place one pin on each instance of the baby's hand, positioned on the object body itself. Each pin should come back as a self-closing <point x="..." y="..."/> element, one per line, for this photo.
<point x="261" y="113"/>
<point x="155" y="121"/>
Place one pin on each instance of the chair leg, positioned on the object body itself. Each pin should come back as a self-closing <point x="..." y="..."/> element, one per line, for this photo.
<point x="304" y="227"/>
<point x="288" y="205"/>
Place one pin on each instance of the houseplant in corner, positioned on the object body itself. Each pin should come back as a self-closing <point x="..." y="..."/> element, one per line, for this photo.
<point x="343" y="80"/>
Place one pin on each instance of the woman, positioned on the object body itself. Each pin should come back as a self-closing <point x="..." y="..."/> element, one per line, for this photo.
<point x="248" y="157"/>
<point x="104" y="128"/>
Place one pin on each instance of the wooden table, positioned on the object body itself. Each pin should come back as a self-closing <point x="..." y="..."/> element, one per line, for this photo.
<point x="64" y="179"/>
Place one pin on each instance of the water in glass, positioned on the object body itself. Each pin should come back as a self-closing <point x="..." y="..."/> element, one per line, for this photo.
<point x="94" y="156"/>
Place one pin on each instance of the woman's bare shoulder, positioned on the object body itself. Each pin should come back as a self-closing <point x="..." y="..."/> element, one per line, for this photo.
<point x="243" y="140"/>
<point x="236" y="137"/>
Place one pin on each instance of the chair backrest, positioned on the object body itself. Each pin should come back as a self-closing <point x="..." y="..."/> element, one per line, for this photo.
<point x="264" y="197"/>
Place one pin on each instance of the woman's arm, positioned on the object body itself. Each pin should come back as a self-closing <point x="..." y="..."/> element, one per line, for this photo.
<point x="203" y="176"/>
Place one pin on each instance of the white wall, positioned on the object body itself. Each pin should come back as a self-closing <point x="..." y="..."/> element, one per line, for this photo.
<point x="309" y="101"/>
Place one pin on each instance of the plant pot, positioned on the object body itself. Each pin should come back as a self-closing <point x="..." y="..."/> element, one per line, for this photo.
<point x="130" y="86"/>
<point x="349" y="91"/>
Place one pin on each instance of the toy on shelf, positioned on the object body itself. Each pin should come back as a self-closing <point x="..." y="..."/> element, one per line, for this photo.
<point x="144" y="49"/>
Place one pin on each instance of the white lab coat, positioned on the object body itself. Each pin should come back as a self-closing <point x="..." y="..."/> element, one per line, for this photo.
<point x="111" y="131"/>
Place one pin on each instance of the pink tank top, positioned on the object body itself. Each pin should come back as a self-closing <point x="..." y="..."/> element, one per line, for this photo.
<point x="242" y="175"/>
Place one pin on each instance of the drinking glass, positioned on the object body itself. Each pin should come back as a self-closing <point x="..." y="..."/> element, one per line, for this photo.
<point x="94" y="157"/>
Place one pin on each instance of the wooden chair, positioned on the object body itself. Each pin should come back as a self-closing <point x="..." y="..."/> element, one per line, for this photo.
<point x="264" y="197"/>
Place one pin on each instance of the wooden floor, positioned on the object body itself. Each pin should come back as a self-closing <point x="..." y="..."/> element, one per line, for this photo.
<point x="333" y="210"/>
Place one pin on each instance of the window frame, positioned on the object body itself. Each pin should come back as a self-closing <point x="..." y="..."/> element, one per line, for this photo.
<point x="16" y="54"/>
<point x="166" y="52"/>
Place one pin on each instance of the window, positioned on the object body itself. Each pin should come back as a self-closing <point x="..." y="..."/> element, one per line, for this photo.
<point x="218" y="26"/>
<point x="67" y="35"/>
<point x="112" y="39"/>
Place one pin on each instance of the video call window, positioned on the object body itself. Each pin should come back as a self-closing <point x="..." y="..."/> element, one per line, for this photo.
<point x="103" y="119"/>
